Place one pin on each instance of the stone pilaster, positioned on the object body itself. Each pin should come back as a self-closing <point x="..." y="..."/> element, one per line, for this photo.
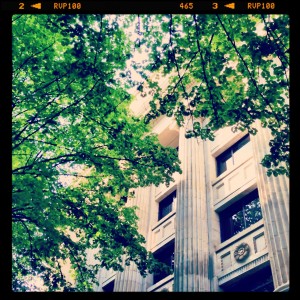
<point x="274" y="198"/>
<point x="130" y="280"/>
<point x="191" y="233"/>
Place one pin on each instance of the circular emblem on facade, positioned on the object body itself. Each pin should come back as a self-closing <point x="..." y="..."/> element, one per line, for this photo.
<point x="241" y="252"/>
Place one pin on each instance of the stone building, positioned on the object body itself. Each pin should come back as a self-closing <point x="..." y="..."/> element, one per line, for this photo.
<point x="222" y="226"/>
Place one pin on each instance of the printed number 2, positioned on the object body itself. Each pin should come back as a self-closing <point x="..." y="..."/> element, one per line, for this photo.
<point x="21" y="5"/>
<point x="215" y="5"/>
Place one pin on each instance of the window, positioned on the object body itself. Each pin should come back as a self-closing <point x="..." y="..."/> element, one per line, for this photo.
<point x="240" y="215"/>
<point x="109" y="287"/>
<point x="233" y="155"/>
<point x="259" y="281"/>
<point x="164" y="255"/>
<point x="166" y="205"/>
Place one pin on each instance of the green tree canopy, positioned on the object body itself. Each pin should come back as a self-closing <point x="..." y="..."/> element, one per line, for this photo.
<point x="70" y="120"/>
<point x="226" y="70"/>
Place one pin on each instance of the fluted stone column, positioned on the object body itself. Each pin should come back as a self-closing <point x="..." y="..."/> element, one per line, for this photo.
<point x="191" y="231"/>
<point x="274" y="198"/>
<point x="130" y="279"/>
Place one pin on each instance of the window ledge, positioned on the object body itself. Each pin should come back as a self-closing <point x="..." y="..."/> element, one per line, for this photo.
<point x="258" y="260"/>
<point x="160" y="283"/>
<point x="164" y="219"/>
<point x="240" y="235"/>
<point x="226" y="173"/>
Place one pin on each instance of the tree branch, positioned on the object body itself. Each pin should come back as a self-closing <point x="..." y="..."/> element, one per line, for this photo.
<point x="247" y="69"/>
<point x="215" y="109"/>
<point x="30" y="57"/>
<point x="271" y="32"/>
<point x="58" y="113"/>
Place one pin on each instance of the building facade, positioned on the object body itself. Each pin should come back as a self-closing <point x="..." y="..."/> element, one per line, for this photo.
<point x="222" y="226"/>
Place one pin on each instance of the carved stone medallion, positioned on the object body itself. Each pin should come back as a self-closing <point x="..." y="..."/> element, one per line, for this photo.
<point x="241" y="252"/>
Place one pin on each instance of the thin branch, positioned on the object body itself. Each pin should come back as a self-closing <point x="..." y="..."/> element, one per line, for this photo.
<point x="280" y="53"/>
<point x="74" y="256"/>
<point x="44" y="142"/>
<point x="15" y="19"/>
<point x="16" y="209"/>
<point x="187" y="67"/>
<point x="77" y="175"/>
<point x="29" y="237"/>
<point x="65" y="158"/>
<point x="174" y="57"/>
<point x="55" y="115"/>
<point x="98" y="40"/>
<point x="204" y="71"/>
<point x="247" y="69"/>
<point x="272" y="33"/>
<point x="30" y="57"/>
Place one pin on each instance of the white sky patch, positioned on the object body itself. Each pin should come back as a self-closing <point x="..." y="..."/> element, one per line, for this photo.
<point x="260" y="31"/>
<point x="75" y="174"/>
<point x="63" y="121"/>
<point x="95" y="26"/>
<point x="35" y="284"/>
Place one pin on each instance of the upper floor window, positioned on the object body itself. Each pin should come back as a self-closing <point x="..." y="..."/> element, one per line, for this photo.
<point x="166" y="256"/>
<point x="233" y="155"/>
<point x="240" y="215"/>
<point x="166" y="205"/>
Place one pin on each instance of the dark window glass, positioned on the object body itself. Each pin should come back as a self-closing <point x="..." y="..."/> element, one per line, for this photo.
<point x="109" y="287"/>
<point x="166" y="205"/>
<point x="223" y="161"/>
<point x="164" y="255"/>
<point x="259" y="281"/>
<point x="240" y="215"/>
<point x="241" y="143"/>
<point x="230" y="157"/>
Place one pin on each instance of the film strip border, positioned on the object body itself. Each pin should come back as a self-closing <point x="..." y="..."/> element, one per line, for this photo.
<point x="128" y="6"/>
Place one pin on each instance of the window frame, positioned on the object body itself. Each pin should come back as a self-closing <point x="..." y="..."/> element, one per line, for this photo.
<point x="229" y="154"/>
<point x="227" y="226"/>
<point x="166" y="205"/>
<point x="109" y="287"/>
<point x="166" y="255"/>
